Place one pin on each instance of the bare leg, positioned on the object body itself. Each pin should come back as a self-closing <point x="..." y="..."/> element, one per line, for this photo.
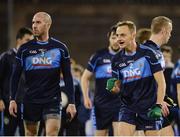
<point x="52" y="126"/>
<point x="101" y="132"/>
<point x="123" y="129"/>
<point x="31" y="128"/>
<point x="167" y="131"/>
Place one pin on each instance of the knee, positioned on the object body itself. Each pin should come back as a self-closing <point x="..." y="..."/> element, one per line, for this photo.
<point x="31" y="132"/>
<point x="53" y="131"/>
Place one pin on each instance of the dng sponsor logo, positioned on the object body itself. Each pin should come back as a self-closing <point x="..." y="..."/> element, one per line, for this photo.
<point x="131" y="74"/>
<point x="41" y="61"/>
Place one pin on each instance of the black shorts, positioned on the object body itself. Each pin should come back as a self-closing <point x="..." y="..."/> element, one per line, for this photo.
<point x="33" y="112"/>
<point x="140" y="120"/>
<point x="173" y="115"/>
<point x="103" y="117"/>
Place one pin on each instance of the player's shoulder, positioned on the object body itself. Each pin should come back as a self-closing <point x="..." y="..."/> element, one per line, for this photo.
<point x="27" y="45"/>
<point x="147" y="50"/>
<point x="177" y="63"/>
<point x="150" y="46"/>
<point x="8" y="53"/>
<point x="58" y="43"/>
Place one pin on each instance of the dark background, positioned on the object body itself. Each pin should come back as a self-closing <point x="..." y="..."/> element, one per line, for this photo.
<point x="83" y="24"/>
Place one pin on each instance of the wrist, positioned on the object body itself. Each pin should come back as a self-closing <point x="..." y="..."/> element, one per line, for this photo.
<point x="158" y="105"/>
<point x="71" y="105"/>
<point x="12" y="101"/>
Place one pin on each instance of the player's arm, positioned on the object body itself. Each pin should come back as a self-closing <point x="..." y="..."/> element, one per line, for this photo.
<point x="2" y="70"/>
<point x="85" y="80"/>
<point x="160" y="107"/>
<point x="159" y="77"/>
<point x="68" y="80"/>
<point x="67" y="76"/>
<point x="15" y="76"/>
<point x="156" y="69"/>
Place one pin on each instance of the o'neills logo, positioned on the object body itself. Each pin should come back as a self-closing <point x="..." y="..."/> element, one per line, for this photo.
<point x="41" y="61"/>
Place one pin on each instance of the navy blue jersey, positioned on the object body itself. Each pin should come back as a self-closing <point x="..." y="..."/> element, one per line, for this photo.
<point x="41" y="63"/>
<point x="6" y="60"/>
<point x="176" y="72"/>
<point x="100" y="65"/>
<point x="175" y="80"/>
<point x="156" y="50"/>
<point x="139" y="88"/>
<point x="167" y="76"/>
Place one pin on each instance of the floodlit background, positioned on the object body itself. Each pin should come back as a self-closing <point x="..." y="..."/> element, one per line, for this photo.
<point x="83" y="24"/>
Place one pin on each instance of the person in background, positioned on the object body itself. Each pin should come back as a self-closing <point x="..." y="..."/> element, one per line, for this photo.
<point x="7" y="58"/>
<point x="106" y="104"/>
<point x="176" y="93"/>
<point x="142" y="35"/>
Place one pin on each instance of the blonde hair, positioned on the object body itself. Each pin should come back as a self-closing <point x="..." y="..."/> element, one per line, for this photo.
<point x="130" y="24"/>
<point x="158" y="23"/>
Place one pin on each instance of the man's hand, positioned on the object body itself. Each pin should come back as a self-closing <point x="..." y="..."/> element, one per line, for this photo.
<point x="155" y="112"/>
<point x="13" y="108"/>
<point x="87" y="103"/>
<point x="71" y="109"/>
<point x="2" y="106"/>
<point x="113" y="85"/>
<point x="165" y="109"/>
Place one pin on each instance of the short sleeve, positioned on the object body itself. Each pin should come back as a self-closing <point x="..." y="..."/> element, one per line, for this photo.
<point x="93" y="62"/>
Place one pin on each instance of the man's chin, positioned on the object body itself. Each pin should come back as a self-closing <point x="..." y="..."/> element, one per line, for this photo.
<point x="115" y="50"/>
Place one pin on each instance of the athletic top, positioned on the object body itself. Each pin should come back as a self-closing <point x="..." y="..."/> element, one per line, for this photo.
<point x="176" y="72"/>
<point x="139" y="88"/>
<point x="7" y="58"/>
<point x="41" y="63"/>
<point x="156" y="50"/>
<point x="100" y="65"/>
<point x="175" y="80"/>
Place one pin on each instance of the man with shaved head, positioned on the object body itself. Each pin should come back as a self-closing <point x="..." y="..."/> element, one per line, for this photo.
<point x="42" y="59"/>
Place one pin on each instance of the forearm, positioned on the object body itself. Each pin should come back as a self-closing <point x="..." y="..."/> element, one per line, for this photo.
<point x="70" y="89"/>
<point x="14" y="80"/>
<point x="85" y="87"/>
<point x="161" y="87"/>
<point x="161" y="93"/>
<point x="66" y="70"/>
<point x="85" y="80"/>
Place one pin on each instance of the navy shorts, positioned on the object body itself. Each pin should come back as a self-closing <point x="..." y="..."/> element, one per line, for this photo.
<point x="140" y="120"/>
<point x="103" y="117"/>
<point x="33" y="112"/>
<point x="171" y="117"/>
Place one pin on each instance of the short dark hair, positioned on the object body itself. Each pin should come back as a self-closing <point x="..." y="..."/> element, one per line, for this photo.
<point x="112" y="30"/>
<point x="22" y="31"/>
<point x="142" y="35"/>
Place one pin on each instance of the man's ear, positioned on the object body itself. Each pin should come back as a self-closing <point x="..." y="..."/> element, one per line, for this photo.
<point x="134" y="34"/>
<point x="163" y="30"/>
